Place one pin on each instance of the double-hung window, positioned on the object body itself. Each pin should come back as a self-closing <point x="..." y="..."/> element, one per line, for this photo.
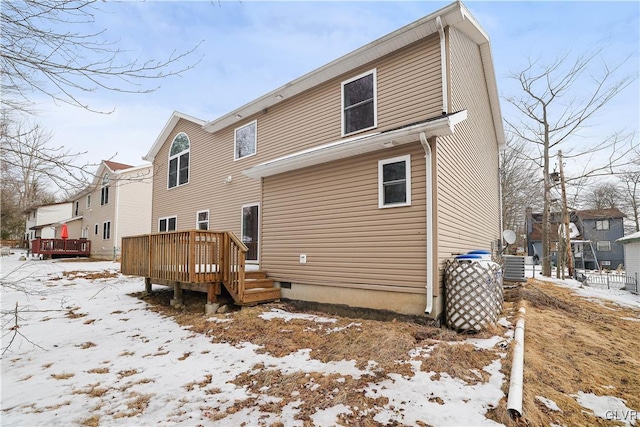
<point x="167" y="224"/>
<point x="179" y="160"/>
<point x="106" y="230"/>
<point x="245" y="140"/>
<point x="104" y="191"/>
<point x="359" y="103"/>
<point x="394" y="182"/>
<point x="602" y="224"/>
<point x="202" y="220"/>
<point x="603" y="246"/>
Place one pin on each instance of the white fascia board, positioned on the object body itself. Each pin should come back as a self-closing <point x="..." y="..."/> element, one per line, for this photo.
<point x="356" y="146"/>
<point x="166" y="130"/>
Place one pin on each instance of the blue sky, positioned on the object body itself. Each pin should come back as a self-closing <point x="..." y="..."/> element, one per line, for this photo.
<point x="250" y="48"/>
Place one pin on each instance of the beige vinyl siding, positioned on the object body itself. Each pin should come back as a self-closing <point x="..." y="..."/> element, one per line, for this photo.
<point x="211" y="162"/>
<point x="408" y="90"/>
<point x="330" y="213"/>
<point x="134" y="204"/>
<point x="99" y="214"/>
<point x="468" y="207"/>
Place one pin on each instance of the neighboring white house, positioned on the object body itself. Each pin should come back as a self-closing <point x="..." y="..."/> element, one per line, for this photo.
<point x="117" y="203"/>
<point x="41" y="220"/>
<point x="632" y="259"/>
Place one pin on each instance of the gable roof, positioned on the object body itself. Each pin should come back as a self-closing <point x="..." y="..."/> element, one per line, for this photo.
<point x="455" y="14"/>
<point x="167" y="129"/>
<point x="114" y="166"/>
<point x="600" y="213"/>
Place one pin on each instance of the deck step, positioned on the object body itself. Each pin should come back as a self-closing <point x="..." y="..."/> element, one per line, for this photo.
<point x="257" y="274"/>
<point x="258" y="283"/>
<point x="258" y="295"/>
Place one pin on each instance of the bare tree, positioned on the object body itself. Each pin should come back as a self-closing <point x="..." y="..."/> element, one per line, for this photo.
<point x="551" y="113"/>
<point x="519" y="180"/>
<point x="630" y="190"/>
<point x="48" y="48"/>
<point x="605" y="195"/>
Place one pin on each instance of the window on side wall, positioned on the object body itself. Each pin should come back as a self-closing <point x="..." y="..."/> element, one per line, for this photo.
<point x="104" y="191"/>
<point x="179" y="161"/>
<point x="603" y="246"/>
<point x="602" y="224"/>
<point x="394" y="182"/>
<point x="245" y="140"/>
<point x="167" y="224"/>
<point x="202" y="220"/>
<point x="88" y="201"/>
<point x="96" y="229"/>
<point x="359" y="103"/>
<point x="106" y="230"/>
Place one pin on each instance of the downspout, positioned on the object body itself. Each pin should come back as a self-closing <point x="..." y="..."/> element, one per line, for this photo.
<point x="443" y="62"/>
<point x="429" y="221"/>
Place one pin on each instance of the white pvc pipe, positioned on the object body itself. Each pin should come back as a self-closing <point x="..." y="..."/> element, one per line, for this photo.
<point x="429" y="219"/>
<point x="516" y="382"/>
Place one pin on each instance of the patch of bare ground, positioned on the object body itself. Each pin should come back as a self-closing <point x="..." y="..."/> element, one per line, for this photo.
<point x="89" y="275"/>
<point x="386" y="344"/>
<point x="571" y="345"/>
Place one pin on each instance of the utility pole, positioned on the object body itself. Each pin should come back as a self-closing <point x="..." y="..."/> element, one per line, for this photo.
<point x="565" y="219"/>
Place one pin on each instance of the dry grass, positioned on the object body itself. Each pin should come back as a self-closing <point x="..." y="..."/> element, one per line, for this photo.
<point x="63" y="376"/>
<point x="136" y="405"/>
<point x="93" y="421"/>
<point x="93" y="275"/>
<point x="572" y="345"/>
<point x="98" y="371"/>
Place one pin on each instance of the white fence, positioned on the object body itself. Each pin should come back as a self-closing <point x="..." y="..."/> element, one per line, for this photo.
<point x="612" y="280"/>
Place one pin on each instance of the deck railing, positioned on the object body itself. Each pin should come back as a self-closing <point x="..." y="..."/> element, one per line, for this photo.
<point x="77" y="247"/>
<point x="193" y="256"/>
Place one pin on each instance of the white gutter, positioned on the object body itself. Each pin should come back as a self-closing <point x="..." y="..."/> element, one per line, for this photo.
<point x="443" y="64"/>
<point x="429" y="219"/>
<point x="114" y="227"/>
<point x="514" y="401"/>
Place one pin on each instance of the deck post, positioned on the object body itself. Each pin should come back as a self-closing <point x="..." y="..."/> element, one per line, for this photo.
<point x="147" y="285"/>
<point x="177" y="296"/>
<point x="212" y="298"/>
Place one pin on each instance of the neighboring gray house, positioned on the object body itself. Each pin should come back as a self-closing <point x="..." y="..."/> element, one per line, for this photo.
<point x="594" y="235"/>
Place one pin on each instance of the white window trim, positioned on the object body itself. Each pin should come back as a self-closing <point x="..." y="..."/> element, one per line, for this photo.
<point x="235" y="147"/>
<point x="375" y="101"/>
<point x="197" y="221"/>
<point x="407" y="159"/>
<point x="167" y="218"/>
<point x="602" y="222"/>
<point x="603" y="250"/>
<point x="88" y="203"/>
<point x="248" y="205"/>
<point x="170" y="157"/>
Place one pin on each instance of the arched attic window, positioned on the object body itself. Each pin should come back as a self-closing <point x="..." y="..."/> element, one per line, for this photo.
<point x="179" y="160"/>
<point x="104" y="190"/>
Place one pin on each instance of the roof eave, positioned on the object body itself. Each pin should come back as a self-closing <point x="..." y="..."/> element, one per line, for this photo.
<point x="358" y="145"/>
<point x="166" y="130"/>
<point x="454" y="14"/>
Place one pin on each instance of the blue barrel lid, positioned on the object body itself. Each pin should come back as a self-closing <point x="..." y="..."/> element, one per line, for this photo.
<point x="479" y="252"/>
<point x="469" y="257"/>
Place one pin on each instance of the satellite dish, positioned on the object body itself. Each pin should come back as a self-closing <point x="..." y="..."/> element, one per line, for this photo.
<point x="509" y="236"/>
<point x="573" y="230"/>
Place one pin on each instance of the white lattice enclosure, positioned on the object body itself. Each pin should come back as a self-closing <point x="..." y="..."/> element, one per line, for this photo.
<point x="473" y="294"/>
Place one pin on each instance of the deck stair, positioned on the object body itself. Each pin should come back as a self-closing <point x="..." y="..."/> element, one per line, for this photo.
<point x="258" y="288"/>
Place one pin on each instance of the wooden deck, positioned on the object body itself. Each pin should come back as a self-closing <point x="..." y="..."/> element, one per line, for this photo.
<point x="61" y="247"/>
<point x="203" y="261"/>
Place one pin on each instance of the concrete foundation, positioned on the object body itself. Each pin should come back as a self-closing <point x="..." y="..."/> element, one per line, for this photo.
<point x="211" y="308"/>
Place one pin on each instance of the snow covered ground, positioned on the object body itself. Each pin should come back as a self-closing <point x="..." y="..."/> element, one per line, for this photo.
<point x="84" y="352"/>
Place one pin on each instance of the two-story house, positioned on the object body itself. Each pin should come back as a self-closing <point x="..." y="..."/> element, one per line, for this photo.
<point x="593" y="235"/>
<point x="355" y="182"/>
<point x="117" y="203"/>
